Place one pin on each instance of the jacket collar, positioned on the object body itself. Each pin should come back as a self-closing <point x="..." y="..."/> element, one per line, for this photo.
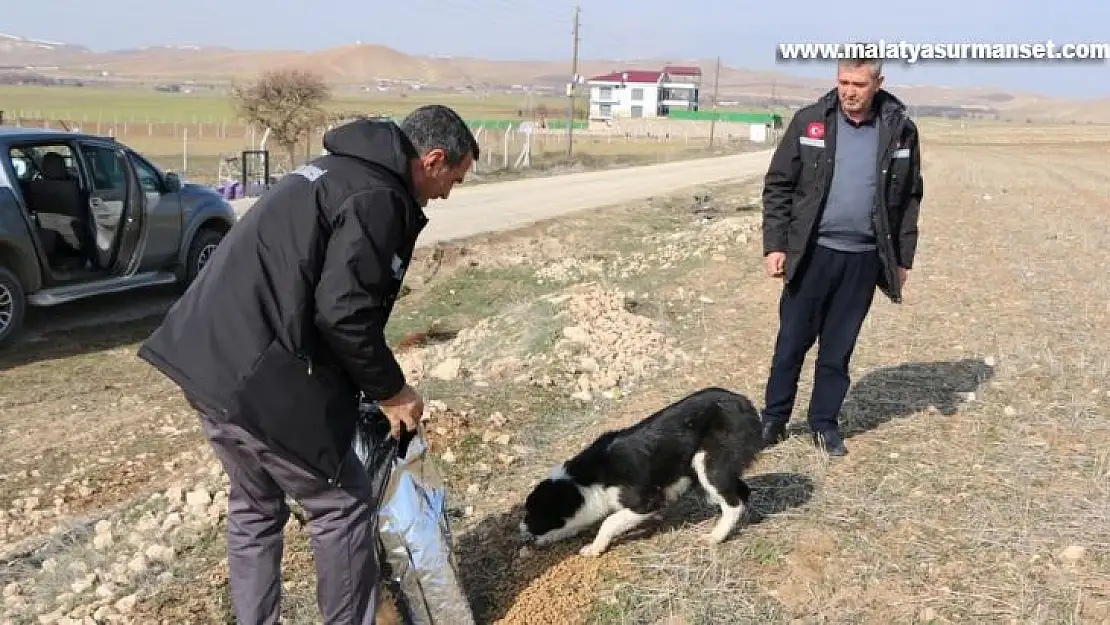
<point x="886" y="103"/>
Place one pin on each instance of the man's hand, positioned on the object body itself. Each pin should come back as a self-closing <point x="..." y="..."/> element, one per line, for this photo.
<point x="406" y="407"/>
<point x="775" y="264"/>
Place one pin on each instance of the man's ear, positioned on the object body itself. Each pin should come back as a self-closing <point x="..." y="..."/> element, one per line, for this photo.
<point x="433" y="157"/>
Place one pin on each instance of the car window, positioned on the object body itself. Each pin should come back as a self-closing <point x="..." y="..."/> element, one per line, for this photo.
<point x="27" y="160"/>
<point x="21" y="167"/>
<point x="148" y="176"/>
<point x="106" y="169"/>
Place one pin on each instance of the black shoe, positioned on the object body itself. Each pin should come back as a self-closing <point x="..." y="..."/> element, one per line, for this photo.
<point x="774" y="432"/>
<point x="831" y="442"/>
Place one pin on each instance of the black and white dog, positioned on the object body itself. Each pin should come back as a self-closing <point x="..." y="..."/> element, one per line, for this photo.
<point x="627" y="476"/>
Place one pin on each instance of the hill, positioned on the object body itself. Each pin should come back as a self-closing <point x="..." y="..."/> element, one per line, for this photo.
<point x="362" y="64"/>
<point x="16" y="51"/>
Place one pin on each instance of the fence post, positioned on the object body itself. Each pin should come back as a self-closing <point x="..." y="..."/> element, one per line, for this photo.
<point x="478" y="140"/>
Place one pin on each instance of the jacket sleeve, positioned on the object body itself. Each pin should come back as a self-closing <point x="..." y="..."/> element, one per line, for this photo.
<point x="778" y="189"/>
<point x="907" y="234"/>
<point x="351" y="307"/>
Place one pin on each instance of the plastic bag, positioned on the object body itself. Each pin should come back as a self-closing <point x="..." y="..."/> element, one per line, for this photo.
<point x="412" y="525"/>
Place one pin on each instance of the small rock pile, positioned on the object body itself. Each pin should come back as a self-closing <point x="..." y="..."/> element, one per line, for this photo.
<point x="42" y="500"/>
<point x="101" y="581"/>
<point x="605" y="349"/>
<point x="570" y="269"/>
<point x="446" y="426"/>
<point x="450" y="430"/>
<point x="481" y="351"/>
<point x="597" y="347"/>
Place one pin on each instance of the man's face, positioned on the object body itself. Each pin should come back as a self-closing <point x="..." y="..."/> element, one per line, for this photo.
<point x="857" y="87"/>
<point x="436" y="177"/>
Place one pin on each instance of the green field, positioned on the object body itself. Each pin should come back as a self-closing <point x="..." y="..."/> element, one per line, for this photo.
<point x="196" y="133"/>
<point x="105" y="104"/>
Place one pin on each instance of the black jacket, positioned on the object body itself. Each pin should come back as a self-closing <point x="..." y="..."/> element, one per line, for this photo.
<point x="285" y="324"/>
<point x="797" y="185"/>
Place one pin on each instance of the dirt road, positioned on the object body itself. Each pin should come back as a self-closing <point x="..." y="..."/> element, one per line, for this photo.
<point x="497" y="206"/>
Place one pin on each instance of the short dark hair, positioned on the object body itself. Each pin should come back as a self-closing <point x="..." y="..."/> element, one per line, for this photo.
<point x="436" y="126"/>
<point x="857" y="57"/>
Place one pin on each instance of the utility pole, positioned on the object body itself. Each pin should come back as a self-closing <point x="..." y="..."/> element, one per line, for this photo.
<point x="573" y="83"/>
<point x="713" y="119"/>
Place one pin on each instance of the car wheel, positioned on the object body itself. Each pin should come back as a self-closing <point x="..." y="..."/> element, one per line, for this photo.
<point x="13" y="306"/>
<point x="200" y="251"/>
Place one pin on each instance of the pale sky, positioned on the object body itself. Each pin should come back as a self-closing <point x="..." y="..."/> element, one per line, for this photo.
<point x="744" y="34"/>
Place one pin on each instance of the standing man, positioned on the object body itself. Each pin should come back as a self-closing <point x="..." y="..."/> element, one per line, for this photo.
<point x="840" y="206"/>
<point x="286" y="325"/>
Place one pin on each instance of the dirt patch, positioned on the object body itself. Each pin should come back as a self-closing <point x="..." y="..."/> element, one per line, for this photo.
<point x="101" y="567"/>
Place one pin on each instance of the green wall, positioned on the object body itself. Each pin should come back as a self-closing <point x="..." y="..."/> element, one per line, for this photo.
<point x="774" y="119"/>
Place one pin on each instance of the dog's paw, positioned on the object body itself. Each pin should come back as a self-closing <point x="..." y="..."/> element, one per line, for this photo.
<point x="591" y="551"/>
<point x="713" y="538"/>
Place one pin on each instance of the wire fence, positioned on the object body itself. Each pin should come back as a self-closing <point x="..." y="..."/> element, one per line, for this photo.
<point x="208" y="148"/>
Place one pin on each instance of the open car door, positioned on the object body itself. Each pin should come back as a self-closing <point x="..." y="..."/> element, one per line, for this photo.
<point x="116" y="205"/>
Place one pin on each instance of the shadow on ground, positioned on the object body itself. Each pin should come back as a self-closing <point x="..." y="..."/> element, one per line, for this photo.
<point x="494" y="575"/>
<point x="893" y="392"/>
<point x="903" y="390"/>
<point x="86" y="327"/>
<point x="772" y="493"/>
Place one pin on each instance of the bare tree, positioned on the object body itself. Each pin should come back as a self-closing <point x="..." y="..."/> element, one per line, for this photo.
<point x="288" y="101"/>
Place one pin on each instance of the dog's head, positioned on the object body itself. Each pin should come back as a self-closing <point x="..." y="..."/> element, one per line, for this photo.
<point x="548" y="508"/>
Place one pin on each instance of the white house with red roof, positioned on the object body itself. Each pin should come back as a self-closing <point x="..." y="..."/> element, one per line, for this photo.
<point x="644" y="93"/>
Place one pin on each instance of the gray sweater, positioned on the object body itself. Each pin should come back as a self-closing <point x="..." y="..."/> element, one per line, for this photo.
<point x="846" y="223"/>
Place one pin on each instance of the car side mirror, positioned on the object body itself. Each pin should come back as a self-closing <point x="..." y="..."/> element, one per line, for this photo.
<point x="173" y="182"/>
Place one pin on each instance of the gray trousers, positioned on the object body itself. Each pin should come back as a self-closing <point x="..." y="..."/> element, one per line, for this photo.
<point x="343" y="542"/>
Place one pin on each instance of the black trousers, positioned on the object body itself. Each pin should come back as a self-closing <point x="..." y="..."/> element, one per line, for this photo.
<point x="826" y="303"/>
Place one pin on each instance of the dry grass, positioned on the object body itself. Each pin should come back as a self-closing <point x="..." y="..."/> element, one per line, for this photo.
<point x="1007" y="133"/>
<point x="967" y="483"/>
<point x="975" y="489"/>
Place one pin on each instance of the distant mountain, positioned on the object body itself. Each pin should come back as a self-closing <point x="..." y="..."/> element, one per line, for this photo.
<point x="22" y="51"/>
<point x="363" y="64"/>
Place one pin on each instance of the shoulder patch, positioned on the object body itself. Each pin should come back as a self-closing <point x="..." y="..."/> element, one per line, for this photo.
<point x="311" y="172"/>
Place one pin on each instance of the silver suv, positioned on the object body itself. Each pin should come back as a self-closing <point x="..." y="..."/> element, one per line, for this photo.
<point x="82" y="215"/>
